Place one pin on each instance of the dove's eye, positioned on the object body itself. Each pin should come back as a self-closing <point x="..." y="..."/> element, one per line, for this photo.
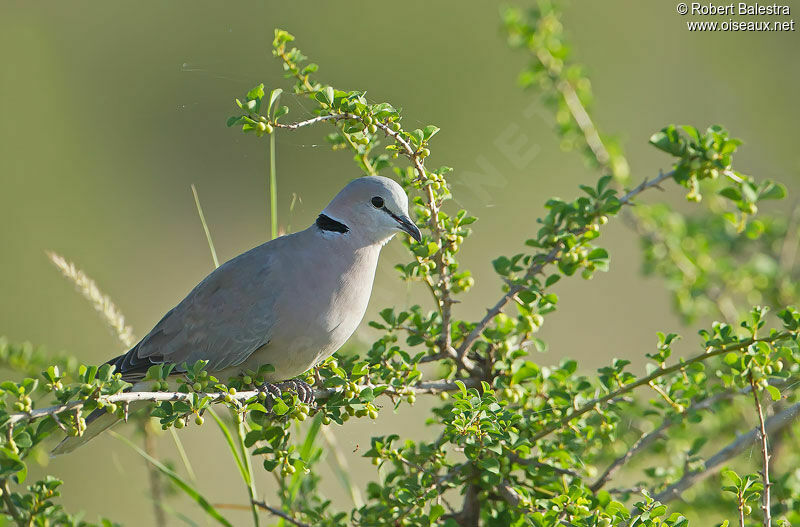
<point x="377" y="202"/>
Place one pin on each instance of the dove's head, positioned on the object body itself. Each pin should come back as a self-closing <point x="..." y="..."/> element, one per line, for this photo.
<point x="373" y="208"/>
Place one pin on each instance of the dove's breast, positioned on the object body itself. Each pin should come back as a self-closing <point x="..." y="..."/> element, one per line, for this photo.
<point x="315" y="318"/>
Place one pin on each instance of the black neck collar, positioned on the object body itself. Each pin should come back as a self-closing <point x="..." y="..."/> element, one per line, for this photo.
<point x="326" y="223"/>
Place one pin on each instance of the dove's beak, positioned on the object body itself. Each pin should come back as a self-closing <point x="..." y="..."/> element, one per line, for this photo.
<point x="406" y="225"/>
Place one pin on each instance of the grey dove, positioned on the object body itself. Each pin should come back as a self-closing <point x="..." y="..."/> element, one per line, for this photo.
<point x="290" y="302"/>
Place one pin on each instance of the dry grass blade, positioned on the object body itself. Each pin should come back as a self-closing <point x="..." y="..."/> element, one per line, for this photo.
<point x="101" y="302"/>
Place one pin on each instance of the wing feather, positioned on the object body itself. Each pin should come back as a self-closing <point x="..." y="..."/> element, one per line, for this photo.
<point x="223" y="320"/>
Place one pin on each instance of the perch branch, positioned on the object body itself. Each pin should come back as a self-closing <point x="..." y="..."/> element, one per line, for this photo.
<point x="126" y="398"/>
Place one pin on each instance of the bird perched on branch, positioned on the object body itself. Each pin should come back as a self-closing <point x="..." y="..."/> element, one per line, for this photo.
<point x="290" y="302"/>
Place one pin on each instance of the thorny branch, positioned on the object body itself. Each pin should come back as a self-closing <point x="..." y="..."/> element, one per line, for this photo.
<point x="589" y="406"/>
<point x="539" y="264"/>
<point x="772" y="425"/>
<point x="126" y="398"/>
<point x="649" y="438"/>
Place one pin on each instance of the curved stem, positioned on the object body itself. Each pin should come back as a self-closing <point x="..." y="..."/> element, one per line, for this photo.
<point x="589" y="406"/>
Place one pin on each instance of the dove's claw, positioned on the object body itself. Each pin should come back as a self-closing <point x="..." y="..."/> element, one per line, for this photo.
<point x="304" y="392"/>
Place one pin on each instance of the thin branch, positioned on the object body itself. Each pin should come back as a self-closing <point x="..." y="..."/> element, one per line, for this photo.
<point x="765" y="504"/>
<point x="279" y="513"/>
<point x="539" y="264"/>
<point x="576" y="108"/>
<point x="445" y="297"/>
<point x="9" y="503"/>
<point x="649" y="438"/>
<point x="772" y="425"/>
<point x="510" y="495"/>
<point x="315" y="120"/>
<point x="589" y="406"/>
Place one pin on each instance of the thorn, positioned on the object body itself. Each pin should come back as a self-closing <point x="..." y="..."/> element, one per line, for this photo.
<point x="59" y="423"/>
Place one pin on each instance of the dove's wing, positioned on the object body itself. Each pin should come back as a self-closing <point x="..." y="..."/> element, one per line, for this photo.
<point x="224" y="319"/>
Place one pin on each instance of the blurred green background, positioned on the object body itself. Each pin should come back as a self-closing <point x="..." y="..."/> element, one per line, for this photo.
<point x="110" y="110"/>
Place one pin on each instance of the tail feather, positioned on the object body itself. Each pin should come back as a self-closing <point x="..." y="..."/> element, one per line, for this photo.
<point x="96" y="423"/>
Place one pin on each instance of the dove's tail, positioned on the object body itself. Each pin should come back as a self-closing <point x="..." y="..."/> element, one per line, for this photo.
<point x="96" y="423"/>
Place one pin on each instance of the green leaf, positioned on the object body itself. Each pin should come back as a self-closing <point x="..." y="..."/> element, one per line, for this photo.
<point x="692" y="132"/>
<point x="731" y="193"/>
<point x="429" y="131"/>
<point x="598" y="253"/>
<point x="273" y="96"/>
<point x="773" y="392"/>
<point x="328" y="94"/>
<point x="733" y="477"/>
<point x="256" y="93"/>
<point x="668" y="140"/>
<point x="772" y="190"/>
<point x="280" y="112"/>
<point x="490" y="465"/>
<point x="280" y="407"/>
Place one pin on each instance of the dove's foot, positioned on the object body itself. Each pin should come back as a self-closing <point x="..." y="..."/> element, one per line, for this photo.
<point x="304" y="392"/>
